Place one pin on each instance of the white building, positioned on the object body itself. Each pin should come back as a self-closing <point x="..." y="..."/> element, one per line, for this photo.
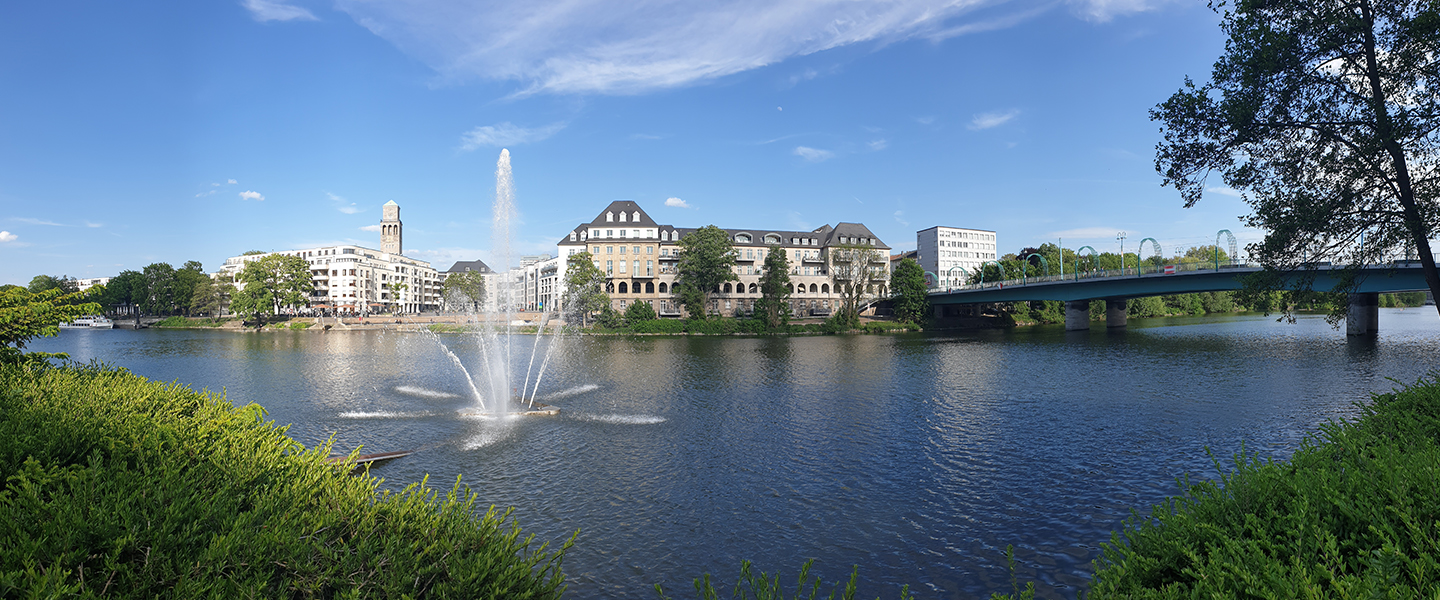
<point x="356" y="280"/>
<point x="951" y="254"/>
<point x="85" y="284"/>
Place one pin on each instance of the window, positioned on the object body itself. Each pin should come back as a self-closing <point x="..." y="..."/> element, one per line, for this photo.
<point x="609" y="249"/>
<point x="637" y="268"/>
<point x="794" y="241"/>
<point x="622" y="249"/>
<point x="622" y="217"/>
<point x="623" y="287"/>
<point x="637" y="250"/>
<point x="662" y="290"/>
<point x="610" y="267"/>
<point x="609" y="217"/>
<point x="572" y="236"/>
<point x="650" y="267"/>
<point x="594" y="233"/>
<point x="649" y="249"/>
<point x="649" y="287"/>
<point x="771" y="238"/>
<point x="609" y="233"/>
<point x="594" y="249"/>
<point x="743" y="238"/>
<point x="622" y="303"/>
<point x="637" y="217"/>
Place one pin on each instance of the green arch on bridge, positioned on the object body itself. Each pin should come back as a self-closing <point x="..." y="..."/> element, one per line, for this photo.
<point x="1025" y="265"/>
<point x="1158" y="256"/>
<point x="934" y="280"/>
<point x="998" y="266"/>
<point x="1229" y="236"/>
<point x="950" y="274"/>
<point x="1094" y="260"/>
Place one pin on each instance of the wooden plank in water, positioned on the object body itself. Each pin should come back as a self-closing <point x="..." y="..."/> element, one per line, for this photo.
<point x="366" y="459"/>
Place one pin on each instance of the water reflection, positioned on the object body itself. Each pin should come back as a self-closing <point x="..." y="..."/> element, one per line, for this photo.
<point x="918" y="457"/>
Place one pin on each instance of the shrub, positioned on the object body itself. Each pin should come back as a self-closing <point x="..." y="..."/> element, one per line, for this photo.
<point x="765" y="587"/>
<point x="115" y="486"/>
<point x="660" y="326"/>
<point x="639" y="312"/>
<point x="175" y="321"/>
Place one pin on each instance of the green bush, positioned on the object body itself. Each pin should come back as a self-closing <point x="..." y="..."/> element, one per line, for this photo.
<point x="115" y="486"/>
<point x="639" y="312"/>
<point x="765" y="587"/>
<point x="175" y="321"/>
<point x="1353" y="514"/>
<point x="659" y="326"/>
<point x="1410" y="299"/>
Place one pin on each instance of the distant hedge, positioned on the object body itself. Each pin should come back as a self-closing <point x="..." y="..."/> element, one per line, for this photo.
<point x="114" y="486"/>
<point x="1355" y="513"/>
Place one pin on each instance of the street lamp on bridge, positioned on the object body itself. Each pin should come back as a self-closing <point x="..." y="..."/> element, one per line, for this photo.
<point x="1121" y="236"/>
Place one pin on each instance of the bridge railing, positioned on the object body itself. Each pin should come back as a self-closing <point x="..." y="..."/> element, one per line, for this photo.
<point x="1140" y="271"/>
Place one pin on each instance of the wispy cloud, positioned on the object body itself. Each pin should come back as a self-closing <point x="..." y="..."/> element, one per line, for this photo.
<point x="341" y="206"/>
<point x="89" y="224"/>
<point x="231" y="182"/>
<point x="993" y="119"/>
<point x="644" y="136"/>
<point x="596" y="46"/>
<point x="7" y="237"/>
<point x="374" y="228"/>
<point x="677" y="203"/>
<point x="506" y="134"/>
<point x="900" y="218"/>
<point x="30" y="221"/>
<point x="270" y="10"/>
<point x="1225" y="191"/>
<point x="813" y="155"/>
<point x="925" y="120"/>
<point x="878" y="145"/>
<point x="1101" y="11"/>
<point x="249" y="195"/>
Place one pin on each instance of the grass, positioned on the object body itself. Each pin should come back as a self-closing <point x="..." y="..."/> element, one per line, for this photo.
<point x="115" y="486"/>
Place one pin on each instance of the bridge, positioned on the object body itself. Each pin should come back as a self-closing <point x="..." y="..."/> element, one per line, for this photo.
<point x="1115" y="286"/>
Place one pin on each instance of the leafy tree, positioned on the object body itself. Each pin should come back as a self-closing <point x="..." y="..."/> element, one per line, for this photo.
<point x="25" y="315"/>
<point x="205" y="298"/>
<point x="46" y="282"/>
<point x="584" y="287"/>
<point x="707" y="259"/>
<point x="272" y="282"/>
<point x="1326" y="114"/>
<point x="912" y="301"/>
<point x="126" y="289"/>
<point x="465" y="289"/>
<point x="639" y="312"/>
<point x="159" y="289"/>
<point x="252" y="252"/>
<point x="853" y="269"/>
<point x="773" y="305"/>
<point x="186" y="278"/>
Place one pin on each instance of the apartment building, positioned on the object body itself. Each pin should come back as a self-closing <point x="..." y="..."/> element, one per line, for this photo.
<point x="639" y="258"/>
<point x="950" y="254"/>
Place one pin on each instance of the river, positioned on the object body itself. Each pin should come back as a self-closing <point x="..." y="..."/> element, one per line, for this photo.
<point x="919" y="457"/>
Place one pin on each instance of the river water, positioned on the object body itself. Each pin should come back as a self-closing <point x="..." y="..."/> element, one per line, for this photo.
<point x="918" y="457"/>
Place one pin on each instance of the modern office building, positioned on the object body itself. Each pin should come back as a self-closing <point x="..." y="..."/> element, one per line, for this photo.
<point x="639" y="258"/>
<point x="950" y="254"/>
<point x="354" y="280"/>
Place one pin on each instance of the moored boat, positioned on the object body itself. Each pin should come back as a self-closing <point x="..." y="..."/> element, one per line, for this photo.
<point x="89" y="322"/>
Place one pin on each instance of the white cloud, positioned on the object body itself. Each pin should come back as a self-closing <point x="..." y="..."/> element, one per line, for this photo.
<point x="8" y="237"/>
<point x="231" y="182"/>
<point x="813" y="155"/>
<point x="677" y="203"/>
<point x="32" y="221"/>
<point x="249" y="195"/>
<point x="1225" y="191"/>
<point x="271" y="10"/>
<point x="878" y="145"/>
<point x="899" y="217"/>
<point x="925" y="120"/>
<point x="89" y="224"/>
<point x="600" y="46"/>
<point x="348" y="209"/>
<point x="993" y="119"/>
<point x="214" y="185"/>
<point x="204" y="194"/>
<point x="374" y="228"/>
<point x="1101" y="11"/>
<point x="506" y="134"/>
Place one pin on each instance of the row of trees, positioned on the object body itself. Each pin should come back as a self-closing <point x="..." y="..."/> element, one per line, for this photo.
<point x="707" y="261"/>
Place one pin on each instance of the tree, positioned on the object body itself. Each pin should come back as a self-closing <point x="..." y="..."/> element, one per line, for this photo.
<point x="707" y="259"/>
<point x="25" y="315"/>
<point x="42" y="283"/>
<point x="159" y="295"/>
<point x="127" y="289"/>
<point x="186" y="278"/>
<point x="912" y="299"/>
<point x="272" y="282"/>
<point x="1326" y="115"/>
<point x="853" y="270"/>
<point x="584" y="287"/>
<point x="465" y="289"/>
<point x="205" y="298"/>
<point x="639" y="312"/>
<point x="773" y="305"/>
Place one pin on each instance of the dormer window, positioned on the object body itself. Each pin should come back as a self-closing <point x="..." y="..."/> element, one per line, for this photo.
<point x="622" y="217"/>
<point x="772" y="239"/>
<point x="609" y="217"/>
<point x="743" y="238"/>
<point x="637" y="217"/>
<point x="573" y="236"/>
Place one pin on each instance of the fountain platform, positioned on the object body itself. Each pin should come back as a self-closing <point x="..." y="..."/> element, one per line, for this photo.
<point x="523" y="409"/>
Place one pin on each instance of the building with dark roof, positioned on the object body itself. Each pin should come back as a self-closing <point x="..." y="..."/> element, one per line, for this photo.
<point x="464" y="266"/>
<point x="639" y="257"/>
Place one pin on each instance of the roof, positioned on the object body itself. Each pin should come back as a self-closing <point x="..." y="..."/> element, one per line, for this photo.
<point x="391" y="203"/>
<point x="823" y="235"/>
<point x="469" y="265"/>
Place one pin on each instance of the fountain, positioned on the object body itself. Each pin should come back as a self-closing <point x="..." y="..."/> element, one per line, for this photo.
<point x="497" y="394"/>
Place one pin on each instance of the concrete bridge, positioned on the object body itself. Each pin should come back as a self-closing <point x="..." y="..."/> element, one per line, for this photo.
<point x="1118" y="285"/>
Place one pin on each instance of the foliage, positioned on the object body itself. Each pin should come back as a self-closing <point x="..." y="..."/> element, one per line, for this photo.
<point x="1350" y="515"/>
<point x="174" y="321"/>
<point x="186" y="280"/>
<point x="1402" y="299"/>
<point x="209" y="295"/>
<point x="272" y="282"/>
<point x="707" y="259"/>
<point x="853" y="270"/>
<point x="159" y="297"/>
<point x="584" y="287"/>
<point x="114" y="486"/>
<point x="465" y="289"/>
<point x="639" y="312"/>
<point x="912" y="300"/>
<point x="773" y="305"/>
<point x="252" y="252"/>
<point x="42" y="283"/>
<point x="1327" y="116"/>
<point x="610" y="318"/>
<point x="26" y="315"/>
<point x="765" y="587"/>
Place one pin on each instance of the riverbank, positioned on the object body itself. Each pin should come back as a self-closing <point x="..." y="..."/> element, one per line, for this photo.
<point x="529" y="324"/>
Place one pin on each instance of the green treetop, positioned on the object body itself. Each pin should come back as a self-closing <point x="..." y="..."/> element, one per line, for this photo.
<point x="25" y="315"/>
<point x="912" y="300"/>
<point x="584" y="287"/>
<point x="465" y="289"/>
<point x="707" y="260"/>
<point x="853" y="270"/>
<point x="773" y="305"/>
<point x="272" y="282"/>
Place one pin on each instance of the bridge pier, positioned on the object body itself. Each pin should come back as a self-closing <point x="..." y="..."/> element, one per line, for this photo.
<point x="1364" y="314"/>
<point x="1077" y="315"/>
<point x="1115" y="312"/>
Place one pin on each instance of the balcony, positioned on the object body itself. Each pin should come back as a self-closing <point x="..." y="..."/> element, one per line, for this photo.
<point x="814" y="259"/>
<point x="669" y="257"/>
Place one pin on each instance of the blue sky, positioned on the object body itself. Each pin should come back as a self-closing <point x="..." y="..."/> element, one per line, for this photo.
<point x="133" y="133"/>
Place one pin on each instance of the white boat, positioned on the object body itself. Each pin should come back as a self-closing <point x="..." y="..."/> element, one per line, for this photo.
<point x="89" y="322"/>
